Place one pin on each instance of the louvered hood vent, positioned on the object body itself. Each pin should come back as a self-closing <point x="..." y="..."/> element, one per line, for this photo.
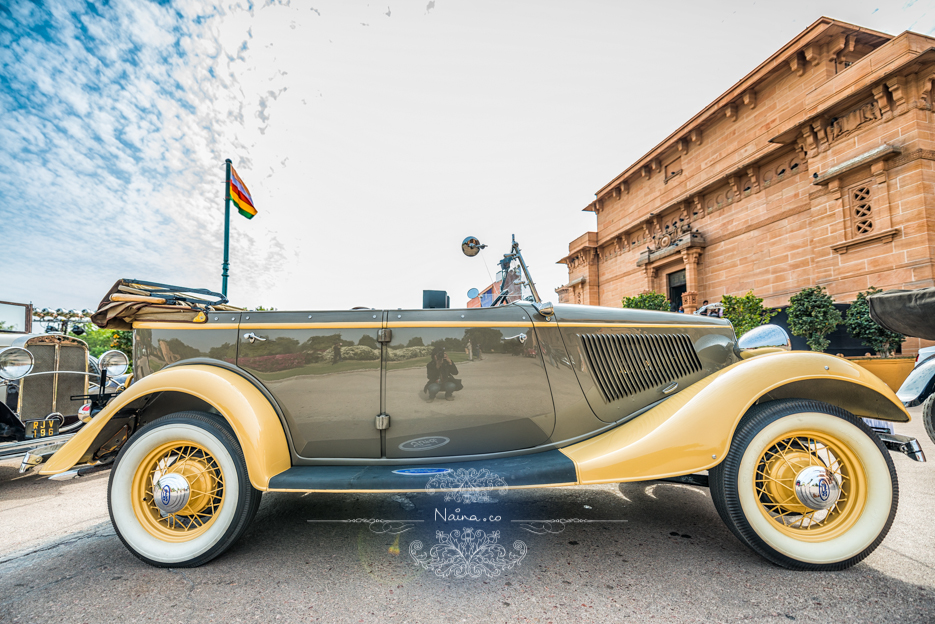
<point x="626" y="364"/>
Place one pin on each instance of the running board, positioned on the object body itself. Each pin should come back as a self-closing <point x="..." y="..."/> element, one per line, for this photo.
<point x="548" y="468"/>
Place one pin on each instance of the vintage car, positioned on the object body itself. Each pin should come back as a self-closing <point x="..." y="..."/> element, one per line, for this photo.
<point x="45" y="381"/>
<point x="228" y="404"/>
<point x="912" y="313"/>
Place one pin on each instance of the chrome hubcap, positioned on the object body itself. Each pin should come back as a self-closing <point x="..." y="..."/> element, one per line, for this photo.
<point x="816" y="488"/>
<point x="171" y="493"/>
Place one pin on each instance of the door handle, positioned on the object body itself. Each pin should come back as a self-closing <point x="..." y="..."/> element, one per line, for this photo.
<point x="250" y="336"/>
<point x="521" y="337"/>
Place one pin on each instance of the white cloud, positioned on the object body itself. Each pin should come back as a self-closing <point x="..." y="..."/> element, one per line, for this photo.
<point x="371" y="152"/>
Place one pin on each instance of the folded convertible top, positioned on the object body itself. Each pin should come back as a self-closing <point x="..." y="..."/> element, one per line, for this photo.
<point x="909" y="312"/>
<point x="132" y="300"/>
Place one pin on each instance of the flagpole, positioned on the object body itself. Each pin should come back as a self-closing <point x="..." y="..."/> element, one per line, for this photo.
<point x="227" y="228"/>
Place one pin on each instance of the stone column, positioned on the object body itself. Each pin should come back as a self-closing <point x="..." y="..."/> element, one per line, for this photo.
<point x="690" y="296"/>
<point x="650" y="278"/>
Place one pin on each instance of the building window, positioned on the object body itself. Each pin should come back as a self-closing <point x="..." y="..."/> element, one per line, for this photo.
<point x="861" y="209"/>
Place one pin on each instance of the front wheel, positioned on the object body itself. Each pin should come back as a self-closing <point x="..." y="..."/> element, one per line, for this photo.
<point x="806" y="485"/>
<point x="179" y="494"/>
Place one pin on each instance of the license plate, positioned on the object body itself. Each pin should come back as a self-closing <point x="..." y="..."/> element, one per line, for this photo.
<point x="42" y="428"/>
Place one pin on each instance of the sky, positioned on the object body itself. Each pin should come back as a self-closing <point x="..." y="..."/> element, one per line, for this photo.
<point x="374" y="137"/>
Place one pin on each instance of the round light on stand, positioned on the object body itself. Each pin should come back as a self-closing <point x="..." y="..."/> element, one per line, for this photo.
<point x="15" y="363"/>
<point x="114" y="362"/>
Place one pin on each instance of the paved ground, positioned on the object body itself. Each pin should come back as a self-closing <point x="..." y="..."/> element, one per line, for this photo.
<point x="672" y="560"/>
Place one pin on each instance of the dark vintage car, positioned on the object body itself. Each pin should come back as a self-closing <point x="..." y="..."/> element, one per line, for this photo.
<point x="44" y="386"/>
<point x="228" y="404"/>
<point x="912" y="313"/>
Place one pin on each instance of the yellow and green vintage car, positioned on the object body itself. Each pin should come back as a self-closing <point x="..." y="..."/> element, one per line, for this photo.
<point x="227" y="404"/>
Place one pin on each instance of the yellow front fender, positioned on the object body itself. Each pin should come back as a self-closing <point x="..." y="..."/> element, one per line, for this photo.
<point x="249" y="413"/>
<point x="692" y="431"/>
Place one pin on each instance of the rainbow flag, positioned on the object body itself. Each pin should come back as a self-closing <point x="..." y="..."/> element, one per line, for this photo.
<point x="241" y="196"/>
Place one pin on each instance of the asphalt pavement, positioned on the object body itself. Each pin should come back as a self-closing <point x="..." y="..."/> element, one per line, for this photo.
<point x="631" y="552"/>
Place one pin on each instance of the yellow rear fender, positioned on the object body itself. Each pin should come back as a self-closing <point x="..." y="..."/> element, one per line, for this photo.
<point x="692" y="431"/>
<point x="245" y="408"/>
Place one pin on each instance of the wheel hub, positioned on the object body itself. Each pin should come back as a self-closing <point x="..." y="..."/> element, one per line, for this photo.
<point x="816" y="488"/>
<point x="171" y="493"/>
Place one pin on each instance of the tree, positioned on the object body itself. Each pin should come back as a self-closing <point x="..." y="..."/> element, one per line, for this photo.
<point x="812" y="315"/>
<point x="98" y="340"/>
<point x="123" y="340"/>
<point x="647" y="301"/>
<point x="746" y="312"/>
<point x="369" y="341"/>
<point x="860" y="325"/>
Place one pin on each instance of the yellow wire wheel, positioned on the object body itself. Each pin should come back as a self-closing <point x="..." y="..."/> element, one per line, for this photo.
<point x="806" y="485"/>
<point x="204" y="497"/>
<point x="179" y="493"/>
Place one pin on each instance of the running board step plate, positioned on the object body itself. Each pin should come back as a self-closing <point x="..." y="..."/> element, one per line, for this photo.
<point x="537" y="470"/>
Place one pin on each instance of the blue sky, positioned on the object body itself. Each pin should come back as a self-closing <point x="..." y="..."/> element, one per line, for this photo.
<point x="373" y="137"/>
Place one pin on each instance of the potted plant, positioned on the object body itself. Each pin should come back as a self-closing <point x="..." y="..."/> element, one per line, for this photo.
<point x="812" y="316"/>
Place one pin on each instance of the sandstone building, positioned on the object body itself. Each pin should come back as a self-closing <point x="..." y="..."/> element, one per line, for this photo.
<point x="818" y="167"/>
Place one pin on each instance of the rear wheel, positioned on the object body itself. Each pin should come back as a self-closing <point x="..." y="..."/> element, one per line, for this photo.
<point x="806" y="485"/>
<point x="928" y="416"/>
<point x="179" y="494"/>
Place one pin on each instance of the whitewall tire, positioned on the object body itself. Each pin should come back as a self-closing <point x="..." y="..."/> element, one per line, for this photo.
<point x="179" y="494"/>
<point x="806" y="485"/>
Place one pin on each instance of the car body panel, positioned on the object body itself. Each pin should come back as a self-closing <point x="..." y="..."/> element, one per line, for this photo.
<point x="685" y="433"/>
<point x="329" y="401"/>
<point x="252" y="417"/>
<point x="504" y="403"/>
<point x="692" y="430"/>
<point x="596" y="337"/>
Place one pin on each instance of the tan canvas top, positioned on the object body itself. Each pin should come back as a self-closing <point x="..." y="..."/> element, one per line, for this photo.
<point x="135" y="300"/>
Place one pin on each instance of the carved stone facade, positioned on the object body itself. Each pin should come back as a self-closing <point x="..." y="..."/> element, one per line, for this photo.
<point x="817" y="168"/>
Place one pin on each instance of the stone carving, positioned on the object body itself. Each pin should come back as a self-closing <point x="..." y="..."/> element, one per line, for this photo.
<point x="842" y="126"/>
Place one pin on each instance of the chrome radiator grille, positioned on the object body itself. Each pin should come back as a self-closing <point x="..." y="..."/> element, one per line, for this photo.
<point x="41" y="395"/>
<point x="626" y="364"/>
<point x="71" y="359"/>
<point x="36" y="391"/>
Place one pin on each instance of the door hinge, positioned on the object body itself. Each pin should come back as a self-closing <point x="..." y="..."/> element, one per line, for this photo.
<point x="383" y="422"/>
<point x="384" y="335"/>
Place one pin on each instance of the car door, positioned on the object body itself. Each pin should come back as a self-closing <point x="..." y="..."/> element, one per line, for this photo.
<point x="499" y="401"/>
<point x="324" y="369"/>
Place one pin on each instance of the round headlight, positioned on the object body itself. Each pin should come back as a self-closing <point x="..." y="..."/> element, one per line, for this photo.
<point x="114" y="362"/>
<point x="15" y="363"/>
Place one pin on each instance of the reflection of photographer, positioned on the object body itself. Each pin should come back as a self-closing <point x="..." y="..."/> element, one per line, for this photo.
<point x="441" y="371"/>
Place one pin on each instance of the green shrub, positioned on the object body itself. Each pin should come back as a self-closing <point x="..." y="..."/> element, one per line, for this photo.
<point x="812" y="316"/>
<point x="861" y="326"/>
<point x="746" y="312"/>
<point x="647" y="301"/>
